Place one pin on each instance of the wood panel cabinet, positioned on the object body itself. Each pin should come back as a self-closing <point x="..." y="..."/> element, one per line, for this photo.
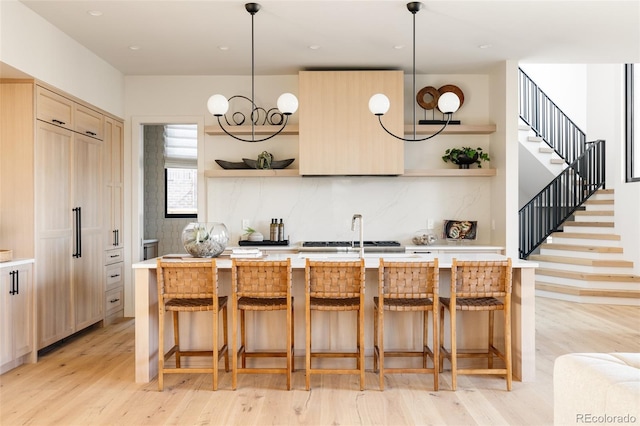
<point x="114" y="187"/>
<point x="60" y="180"/>
<point x="16" y="315"/>
<point x="338" y="134"/>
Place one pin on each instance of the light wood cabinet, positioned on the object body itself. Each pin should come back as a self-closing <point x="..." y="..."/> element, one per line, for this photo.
<point x="88" y="122"/>
<point x="338" y="134"/>
<point x="57" y="176"/>
<point x="114" y="187"/>
<point x="113" y="298"/>
<point x="16" y="315"/>
<point x="54" y="109"/>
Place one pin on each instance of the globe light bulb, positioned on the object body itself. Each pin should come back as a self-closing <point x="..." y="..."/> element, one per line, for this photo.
<point x="379" y="104"/>
<point x="448" y="102"/>
<point x="218" y="105"/>
<point x="287" y="103"/>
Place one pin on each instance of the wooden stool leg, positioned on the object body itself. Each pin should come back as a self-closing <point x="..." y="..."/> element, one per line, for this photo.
<point x="243" y="335"/>
<point x="380" y="347"/>
<point x="234" y="343"/>
<point x="289" y="350"/>
<point x="214" y="350"/>
<point x="425" y="338"/>
<point x="293" y="345"/>
<point x="441" y="336"/>
<point x="361" y="344"/>
<point x="161" y="350"/>
<point x="225" y="337"/>
<point x="490" y="343"/>
<point x="176" y="337"/>
<point x="454" y="349"/>
<point x="375" y="337"/>
<point x="307" y="359"/>
<point x="436" y="349"/>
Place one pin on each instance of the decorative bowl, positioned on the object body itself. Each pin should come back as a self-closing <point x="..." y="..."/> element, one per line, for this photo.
<point x="230" y="165"/>
<point x="275" y="164"/>
<point x="205" y="239"/>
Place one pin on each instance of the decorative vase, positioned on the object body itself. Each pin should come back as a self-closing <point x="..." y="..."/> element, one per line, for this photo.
<point x="463" y="161"/>
<point x="205" y="239"/>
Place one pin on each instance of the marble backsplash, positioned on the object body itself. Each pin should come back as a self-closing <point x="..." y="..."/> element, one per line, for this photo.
<point x="321" y="208"/>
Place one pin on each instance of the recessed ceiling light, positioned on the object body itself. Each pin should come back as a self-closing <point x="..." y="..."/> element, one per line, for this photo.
<point x="223" y="48"/>
<point x="484" y="46"/>
<point x="134" y="47"/>
<point x="95" y="12"/>
<point x="314" y="47"/>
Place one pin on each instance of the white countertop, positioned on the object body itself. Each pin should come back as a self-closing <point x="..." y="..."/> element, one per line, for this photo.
<point x="16" y="262"/>
<point x="372" y="260"/>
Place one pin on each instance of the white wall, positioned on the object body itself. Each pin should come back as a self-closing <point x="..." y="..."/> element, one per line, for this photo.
<point x="606" y="121"/>
<point x="32" y="45"/>
<point x="566" y="85"/>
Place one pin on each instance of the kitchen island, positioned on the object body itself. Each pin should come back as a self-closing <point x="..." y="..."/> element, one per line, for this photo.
<point x="472" y="334"/>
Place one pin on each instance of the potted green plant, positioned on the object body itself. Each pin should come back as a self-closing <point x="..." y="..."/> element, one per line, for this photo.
<point x="465" y="156"/>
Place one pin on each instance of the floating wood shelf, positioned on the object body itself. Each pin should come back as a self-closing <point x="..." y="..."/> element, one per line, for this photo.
<point x="452" y="129"/>
<point x="252" y="173"/>
<point x="291" y="129"/>
<point x="449" y="173"/>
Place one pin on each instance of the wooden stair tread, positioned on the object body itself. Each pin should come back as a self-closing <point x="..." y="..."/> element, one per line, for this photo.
<point x="599" y="202"/>
<point x="580" y="291"/>
<point x="573" y="247"/>
<point x="593" y="213"/>
<point x="588" y="276"/>
<point x="590" y="224"/>
<point x="586" y="235"/>
<point x="582" y="261"/>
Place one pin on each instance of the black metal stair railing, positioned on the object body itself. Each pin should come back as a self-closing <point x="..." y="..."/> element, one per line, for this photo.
<point x="553" y="205"/>
<point x="548" y="121"/>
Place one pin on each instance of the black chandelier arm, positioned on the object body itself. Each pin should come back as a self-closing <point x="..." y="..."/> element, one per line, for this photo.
<point x="284" y="124"/>
<point x="415" y="140"/>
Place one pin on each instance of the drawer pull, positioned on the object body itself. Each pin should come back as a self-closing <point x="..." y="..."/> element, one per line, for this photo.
<point x="114" y="300"/>
<point x="90" y="133"/>
<point x="62" y="123"/>
<point x="114" y="276"/>
<point x="114" y="255"/>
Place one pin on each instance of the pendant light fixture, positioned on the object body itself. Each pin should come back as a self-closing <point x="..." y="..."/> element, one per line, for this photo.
<point x="448" y="102"/>
<point x="287" y="103"/>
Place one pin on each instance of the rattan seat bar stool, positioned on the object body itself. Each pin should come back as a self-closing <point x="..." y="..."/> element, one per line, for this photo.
<point x="260" y="286"/>
<point x="479" y="286"/>
<point x="190" y="286"/>
<point x="335" y="286"/>
<point x="407" y="287"/>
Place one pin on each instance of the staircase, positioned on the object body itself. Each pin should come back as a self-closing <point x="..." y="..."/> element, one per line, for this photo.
<point x="585" y="262"/>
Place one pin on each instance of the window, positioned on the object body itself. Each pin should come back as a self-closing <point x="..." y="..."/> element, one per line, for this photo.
<point x="632" y="116"/>
<point x="181" y="170"/>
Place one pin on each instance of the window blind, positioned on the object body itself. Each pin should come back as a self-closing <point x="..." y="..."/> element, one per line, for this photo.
<point x="181" y="146"/>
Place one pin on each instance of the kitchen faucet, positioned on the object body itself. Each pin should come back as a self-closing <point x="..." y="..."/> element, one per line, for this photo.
<point x="353" y="228"/>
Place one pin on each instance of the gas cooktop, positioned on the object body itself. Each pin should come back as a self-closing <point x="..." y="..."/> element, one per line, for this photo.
<point x="336" y="246"/>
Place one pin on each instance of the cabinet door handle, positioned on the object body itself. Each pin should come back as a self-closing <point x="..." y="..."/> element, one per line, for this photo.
<point x="115" y="237"/>
<point x="17" y="277"/>
<point x="13" y="282"/>
<point x="78" y="234"/>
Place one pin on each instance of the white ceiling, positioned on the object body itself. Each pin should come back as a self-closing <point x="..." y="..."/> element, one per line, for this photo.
<point x="180" y="37"/>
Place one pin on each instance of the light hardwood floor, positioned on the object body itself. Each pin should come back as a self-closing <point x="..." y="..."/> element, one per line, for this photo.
<point x="89" y="381"/>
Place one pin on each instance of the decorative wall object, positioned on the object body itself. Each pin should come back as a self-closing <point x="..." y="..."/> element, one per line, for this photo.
<point x="460" y="229"/>
<point x="433" y="103"/>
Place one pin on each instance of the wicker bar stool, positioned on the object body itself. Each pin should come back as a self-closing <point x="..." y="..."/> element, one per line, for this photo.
<point x="335" y="286"/>
<point x="407" y="287"/>
<point x="190" y="287"/>
<point x="259" y="285"/>
<point x="479" y="286"/>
